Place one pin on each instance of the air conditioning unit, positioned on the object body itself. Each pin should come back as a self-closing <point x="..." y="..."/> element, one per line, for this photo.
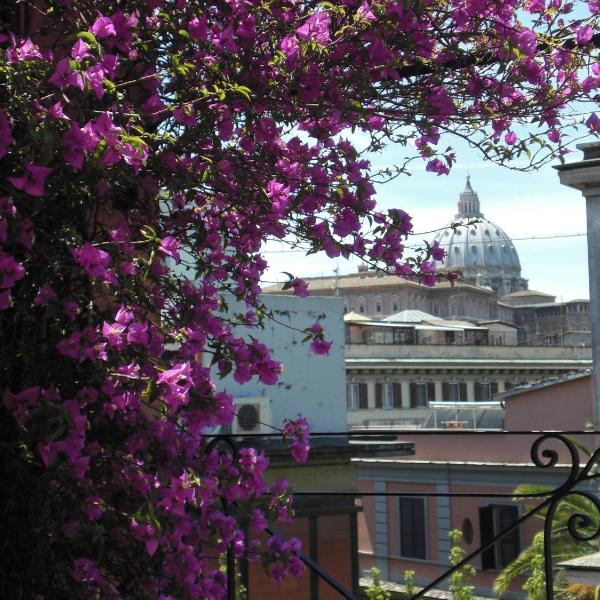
<point x="254" y="415"/>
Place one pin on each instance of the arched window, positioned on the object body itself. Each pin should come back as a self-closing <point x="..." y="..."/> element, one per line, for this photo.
<point x="361" y="305"/>
<point x="377" y="305"/>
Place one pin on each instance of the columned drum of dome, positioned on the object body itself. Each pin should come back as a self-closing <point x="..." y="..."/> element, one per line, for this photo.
<point x="480" y="248"/>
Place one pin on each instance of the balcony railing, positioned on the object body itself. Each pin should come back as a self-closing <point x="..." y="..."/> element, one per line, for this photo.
<point x="544" y="455"/>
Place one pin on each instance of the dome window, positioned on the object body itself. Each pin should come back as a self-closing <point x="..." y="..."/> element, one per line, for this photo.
<point x="473" y="248"/>
<point x="473" y="231"/>
<point x="456" y="249"/>
<point x="487" y="232"/>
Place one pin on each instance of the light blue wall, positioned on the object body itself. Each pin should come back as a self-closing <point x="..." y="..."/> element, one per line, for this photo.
<point x="312" y="385"/>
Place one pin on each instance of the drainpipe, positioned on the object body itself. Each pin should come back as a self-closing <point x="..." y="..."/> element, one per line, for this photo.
<point x="584" y="176"/>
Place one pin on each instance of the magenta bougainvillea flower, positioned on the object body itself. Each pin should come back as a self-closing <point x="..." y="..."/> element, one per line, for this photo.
<point x="32" y="182"/>
<point x="151" y="154"/>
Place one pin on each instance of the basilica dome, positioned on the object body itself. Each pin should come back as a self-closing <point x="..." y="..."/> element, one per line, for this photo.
<point x="479" y="248"/>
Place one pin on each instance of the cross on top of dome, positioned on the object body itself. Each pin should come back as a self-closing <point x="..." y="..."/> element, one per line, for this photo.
<point x="468" y="203"/>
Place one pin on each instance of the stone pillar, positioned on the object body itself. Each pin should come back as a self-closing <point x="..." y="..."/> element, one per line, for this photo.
<point x="470" y="390"/>
<point x="501" y="386"/>
<point x="439" y="391"/>
<point x="405" y="385"/>
<point x="584" y="176"/>
<point x="371" y="394"/>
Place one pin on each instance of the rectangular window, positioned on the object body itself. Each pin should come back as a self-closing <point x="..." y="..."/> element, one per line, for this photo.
<point x="483" y="392"/>
<point x="412" y="528"/>
<point x="388" y="395"/>
<point x="421" y="394"/>
<point x="493" y="520"/>
<point x="392" y="395"/>
<point x="454" y="392"/>
<point x="356" y="396"/>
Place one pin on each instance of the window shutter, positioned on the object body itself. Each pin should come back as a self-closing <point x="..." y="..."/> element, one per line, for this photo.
<point x="348" y="395"/>
<point x="494" y="385"/>
<point x="413" y="395"/>
<point x="397" y="395"/>
<point x="445" y="391"/>
<point x="486" y="528"/>
<point x="463" y="392"/>
<point x="378" y="395"/>
<point x="412" y="528"/>
<point x="363" y="401"/>
<point x="430" y="392"/>
<point x="478" y="391"/>
<point x="509" y="544"/>
<point x="419" y="517"/>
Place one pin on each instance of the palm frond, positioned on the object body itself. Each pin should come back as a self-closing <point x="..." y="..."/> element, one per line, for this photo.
<point x="519" y="566"/>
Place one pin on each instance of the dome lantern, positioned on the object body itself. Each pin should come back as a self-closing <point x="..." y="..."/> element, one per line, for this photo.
<point x="468" y="203"/>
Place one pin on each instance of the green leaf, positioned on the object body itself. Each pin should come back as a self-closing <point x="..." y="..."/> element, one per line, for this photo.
<point x="134" y="140"/>
<point x="243" y="90"/>
<point x="88" y="37"/>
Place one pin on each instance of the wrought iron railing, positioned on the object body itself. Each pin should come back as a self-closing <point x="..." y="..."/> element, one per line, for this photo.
<point x="580" y="526"/>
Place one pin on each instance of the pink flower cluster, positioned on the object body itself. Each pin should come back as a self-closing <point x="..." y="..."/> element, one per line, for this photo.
<point x="148" y="160"/>
<point x="318" y="343"/>
<point x="296" y="433"/>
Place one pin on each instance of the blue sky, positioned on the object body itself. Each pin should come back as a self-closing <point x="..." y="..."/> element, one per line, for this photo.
<point x="523" y="204"/>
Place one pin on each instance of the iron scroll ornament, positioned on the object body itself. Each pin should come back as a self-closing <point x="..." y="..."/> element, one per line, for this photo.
<point x="545" y="458"/>
<point x="578" y="524"/>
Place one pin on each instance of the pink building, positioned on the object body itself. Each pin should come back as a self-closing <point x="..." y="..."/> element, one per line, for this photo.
<point x="397" y="533"/>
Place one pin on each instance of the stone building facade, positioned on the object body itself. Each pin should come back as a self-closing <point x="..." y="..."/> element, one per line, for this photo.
<point x="393" y="385"/>
<point x="491" y="288"/>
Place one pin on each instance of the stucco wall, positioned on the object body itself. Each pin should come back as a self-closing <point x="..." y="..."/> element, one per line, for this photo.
<point x="380" y="520"/>
<point x="312" y="385"/>
<point x="564" y="405"/>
